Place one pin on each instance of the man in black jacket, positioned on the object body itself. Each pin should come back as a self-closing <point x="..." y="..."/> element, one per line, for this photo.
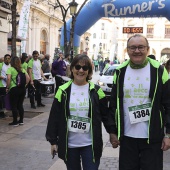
<point x="140" y="104"/>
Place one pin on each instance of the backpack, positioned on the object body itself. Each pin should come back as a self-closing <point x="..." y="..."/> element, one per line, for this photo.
<point x="21" y="80"/>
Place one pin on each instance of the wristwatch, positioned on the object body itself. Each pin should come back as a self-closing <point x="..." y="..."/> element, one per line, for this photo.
<point x="167" y="136"/>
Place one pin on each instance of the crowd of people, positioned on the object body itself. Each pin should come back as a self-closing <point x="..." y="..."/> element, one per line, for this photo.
<point x="101" y="65"/>
<point x="36" y="67"/>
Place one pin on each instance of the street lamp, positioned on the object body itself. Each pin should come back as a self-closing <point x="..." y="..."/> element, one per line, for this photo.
<point x="73" y="9"/>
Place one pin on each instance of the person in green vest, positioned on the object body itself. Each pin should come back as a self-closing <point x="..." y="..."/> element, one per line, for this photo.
<point x="24" y="64"/>
<point x="106" y="66"/>
<point x="17" y="94"/>
<point x="96" y="65"/>
<point x="3" y="68"/>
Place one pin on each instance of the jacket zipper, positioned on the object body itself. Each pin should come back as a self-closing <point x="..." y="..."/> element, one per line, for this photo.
<point x="118" y="106"/>
<point x="91" y="128"/>
<point x="151" y="106"/>
<point x="67" y="128"/>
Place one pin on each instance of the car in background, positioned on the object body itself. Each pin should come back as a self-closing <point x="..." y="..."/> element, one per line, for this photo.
<point x="106" y="79"/>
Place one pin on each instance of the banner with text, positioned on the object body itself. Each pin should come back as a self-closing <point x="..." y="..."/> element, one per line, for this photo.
<point x="23" y="24"/>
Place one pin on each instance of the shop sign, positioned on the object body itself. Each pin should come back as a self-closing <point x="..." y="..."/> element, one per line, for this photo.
<point x="5" y="5"/>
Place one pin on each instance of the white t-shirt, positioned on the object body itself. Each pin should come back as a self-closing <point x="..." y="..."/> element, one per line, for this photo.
<point x="136" y="93"/>
<point x="3" y="73"/>
<point x="36" y="69"/>
<point x="79" y="106"/>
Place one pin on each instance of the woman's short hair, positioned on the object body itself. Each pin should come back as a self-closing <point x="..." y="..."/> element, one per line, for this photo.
<point x="84" y="59"/>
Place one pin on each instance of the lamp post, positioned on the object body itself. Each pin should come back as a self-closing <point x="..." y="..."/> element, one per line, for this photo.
<point x="14" y="14"/>
<point x="73" y="9"/>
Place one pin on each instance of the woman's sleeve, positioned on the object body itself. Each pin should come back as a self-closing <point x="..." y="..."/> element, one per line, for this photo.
<point x="52" y="126"/>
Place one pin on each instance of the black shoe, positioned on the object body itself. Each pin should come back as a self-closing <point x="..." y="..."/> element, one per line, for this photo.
<point x="40" y="105"/>
<point x="2" y="115"/>
<point x="20" y="122"/>
<point x="14" y="124"/>
<point x="33" y="106"/>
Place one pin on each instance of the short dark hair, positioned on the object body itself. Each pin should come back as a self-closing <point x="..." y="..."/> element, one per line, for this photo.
<point x="6" y="55"/>
<point x="35" y="52"/>
<point x="138" y="35"/>
<point x="24" y="54"/>
<point x="167" y="65"/>
<point x="86" y="60"/>
<point x="152" y="56"/>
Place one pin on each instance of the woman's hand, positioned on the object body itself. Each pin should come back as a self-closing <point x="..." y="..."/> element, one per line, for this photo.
<point x="54" y="150"/>
<point x="32" y="83"/>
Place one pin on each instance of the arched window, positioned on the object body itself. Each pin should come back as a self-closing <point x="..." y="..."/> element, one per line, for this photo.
<point x="94" y="35"/>
<point x="102" y="26"/>
<point x="43" y="42"/>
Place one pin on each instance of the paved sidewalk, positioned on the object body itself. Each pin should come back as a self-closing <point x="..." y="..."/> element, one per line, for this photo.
<point x="25" y="147"/>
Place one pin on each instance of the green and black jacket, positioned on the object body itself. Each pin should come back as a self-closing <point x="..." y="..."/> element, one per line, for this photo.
<point x="160" y="101"/>
<point x="57" y="129"/>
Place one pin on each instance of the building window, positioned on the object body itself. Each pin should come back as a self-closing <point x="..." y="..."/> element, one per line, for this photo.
<point x="94" y="35"/>
<point x="104" y="46"/>
<point x="102" y="26"/>
<point x="105" y="36"/>
<point x="150" y="31"/>
<point x="167" y="31"/>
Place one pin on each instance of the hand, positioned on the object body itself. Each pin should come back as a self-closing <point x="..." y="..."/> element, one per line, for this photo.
<point x="60" y="59"/>
<point x="7" y="90"/>
<point x="32" y="83"/>
<point x="165" y="144"/>
<point x="114" y="140"/>
<point x="54" y="150"/>
<point x="45" y="79"/>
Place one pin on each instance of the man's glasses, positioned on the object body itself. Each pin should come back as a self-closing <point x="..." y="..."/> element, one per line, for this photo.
<point x="140" y="48"/>
<point x="78" y="67"/>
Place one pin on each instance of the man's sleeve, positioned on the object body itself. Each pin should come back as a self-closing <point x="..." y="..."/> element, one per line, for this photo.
<point x="30" y="64"/>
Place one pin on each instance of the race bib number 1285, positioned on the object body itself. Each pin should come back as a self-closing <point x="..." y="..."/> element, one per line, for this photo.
<point x="78" y="124"/>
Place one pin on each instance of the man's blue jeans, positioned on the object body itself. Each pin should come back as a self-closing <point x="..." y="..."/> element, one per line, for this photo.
<point x="75" y="155"/>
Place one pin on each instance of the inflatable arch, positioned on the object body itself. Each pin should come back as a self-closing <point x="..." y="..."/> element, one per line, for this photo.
<point x="96" y="9"/>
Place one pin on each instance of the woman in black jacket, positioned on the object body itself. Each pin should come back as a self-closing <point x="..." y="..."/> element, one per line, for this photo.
<point x="75" y="123"/>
